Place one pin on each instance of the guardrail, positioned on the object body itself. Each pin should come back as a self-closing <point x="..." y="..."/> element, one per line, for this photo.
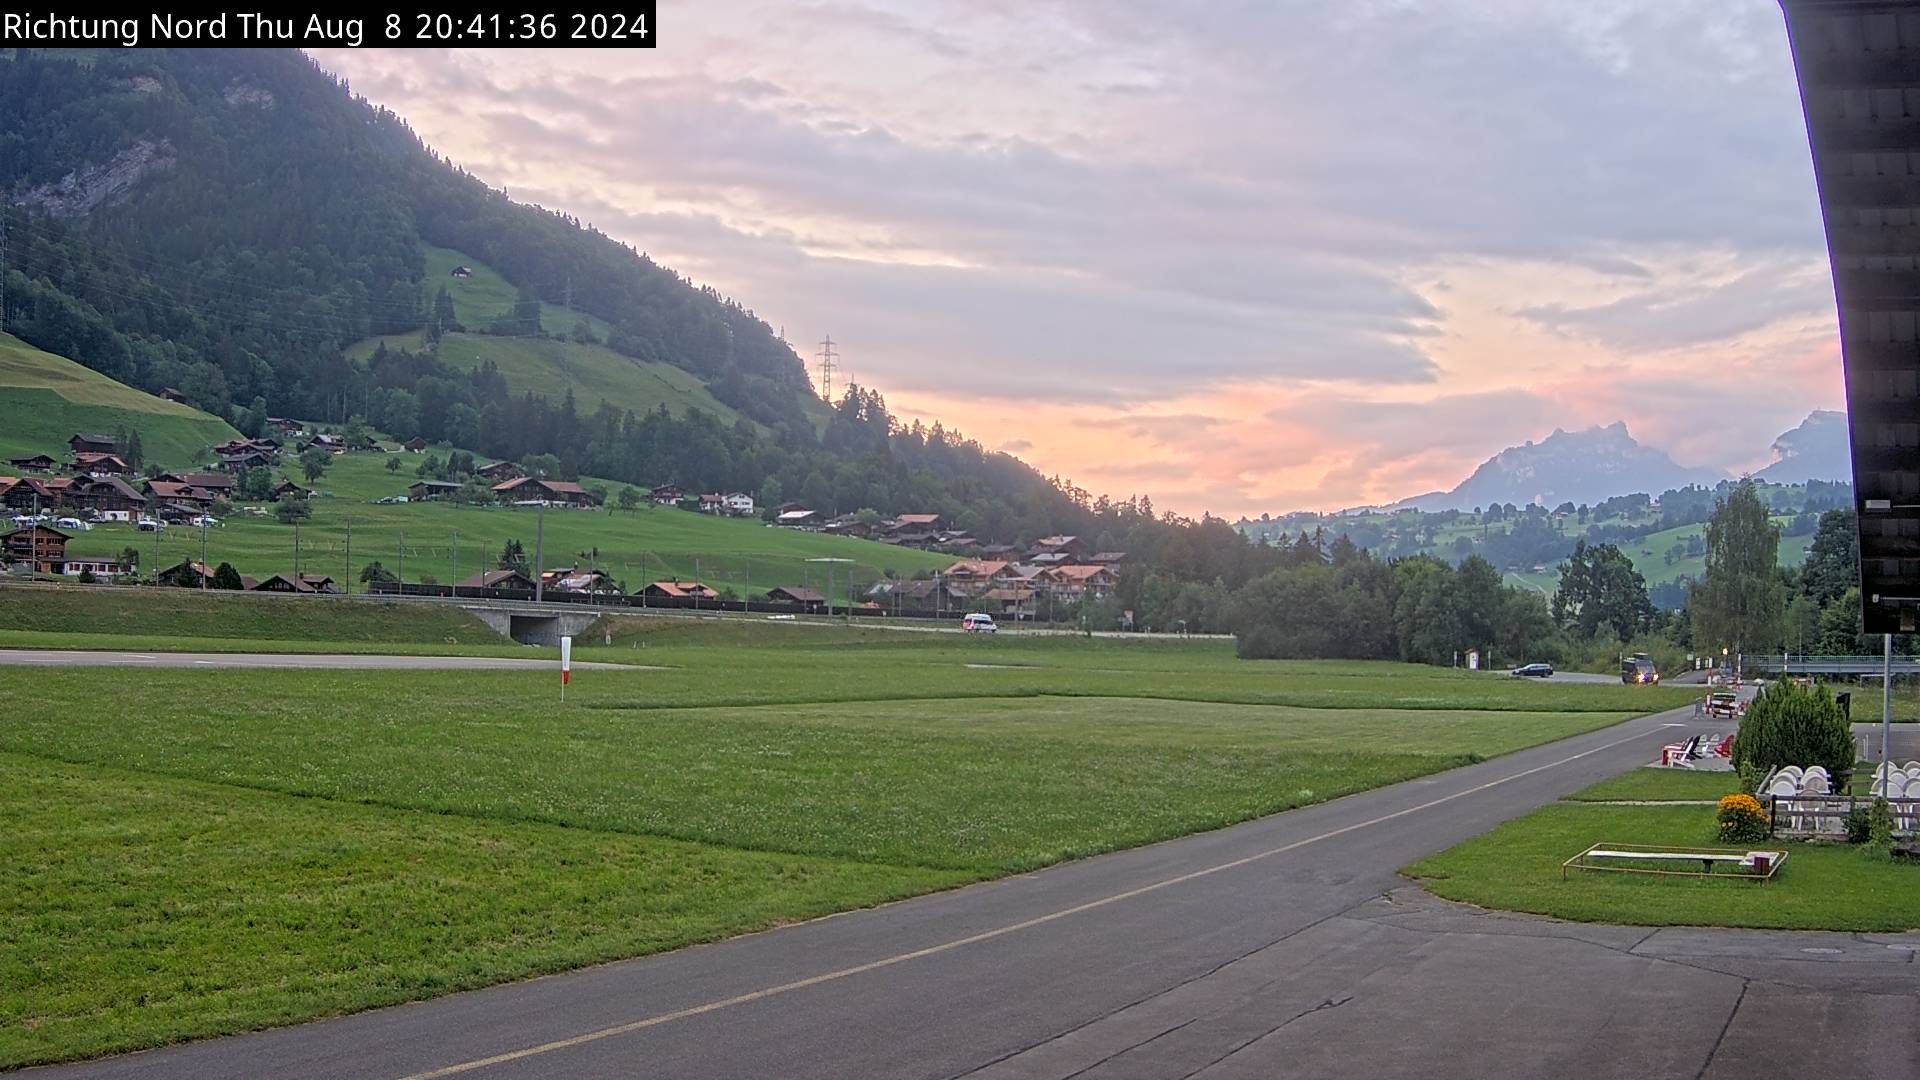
<point x="1834" y="665"/>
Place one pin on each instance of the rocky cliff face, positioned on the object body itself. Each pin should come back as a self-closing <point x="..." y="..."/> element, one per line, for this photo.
<point x="84" y="190"/>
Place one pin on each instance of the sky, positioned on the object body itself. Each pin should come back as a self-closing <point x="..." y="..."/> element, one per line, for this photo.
<point x="1239" y="257"/>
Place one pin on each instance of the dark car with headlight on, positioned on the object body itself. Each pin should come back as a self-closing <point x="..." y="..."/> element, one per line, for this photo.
<point x="1533" y="671"/>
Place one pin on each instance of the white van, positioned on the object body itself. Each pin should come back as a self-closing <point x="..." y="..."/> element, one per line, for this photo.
<point x="979" y="623"/>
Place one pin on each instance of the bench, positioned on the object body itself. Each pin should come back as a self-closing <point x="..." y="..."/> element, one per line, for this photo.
<point x="1758" y="865"/>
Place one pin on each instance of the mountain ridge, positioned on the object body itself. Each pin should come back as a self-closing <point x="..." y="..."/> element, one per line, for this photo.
<point x="1586" y="466"/>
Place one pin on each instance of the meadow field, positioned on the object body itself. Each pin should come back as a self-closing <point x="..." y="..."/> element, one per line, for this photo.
<point x="200" y="851"/>
<point x="448" y="542"/>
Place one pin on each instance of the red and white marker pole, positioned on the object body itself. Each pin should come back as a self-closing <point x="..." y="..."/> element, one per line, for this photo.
<point x="566" y="665"/>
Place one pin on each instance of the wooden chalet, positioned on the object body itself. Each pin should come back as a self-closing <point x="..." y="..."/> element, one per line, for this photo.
<point x="38" y="547"/>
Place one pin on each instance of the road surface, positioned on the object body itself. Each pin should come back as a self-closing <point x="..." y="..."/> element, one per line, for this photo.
<point x="1285" y="946"/>
<point x="369" y="661"/>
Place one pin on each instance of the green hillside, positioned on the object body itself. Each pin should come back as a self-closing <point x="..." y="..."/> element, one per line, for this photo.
<point x="545" y="366"/>
<point x="448" y="542"/>
<point x="485" y="296"/>
<point x="46" y="398"/>
<point x="1649" y="554"/>
<point x="594" y="373"/>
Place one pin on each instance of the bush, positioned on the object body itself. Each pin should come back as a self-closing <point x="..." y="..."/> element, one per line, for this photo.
<point x="1742" y="821"/>
<point x="1790" y="724"/>
<point x="1859" y="823"/>
<point x="1750" y="777"/>
<point x="1880" y="826"/>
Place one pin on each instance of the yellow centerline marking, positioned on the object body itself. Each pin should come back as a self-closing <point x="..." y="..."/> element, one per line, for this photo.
<point x="988" y="935"/>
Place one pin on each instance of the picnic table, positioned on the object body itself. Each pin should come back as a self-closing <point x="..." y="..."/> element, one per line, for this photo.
<point x="1758" y="864"/>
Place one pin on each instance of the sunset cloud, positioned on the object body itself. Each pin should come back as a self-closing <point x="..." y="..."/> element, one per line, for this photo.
<point x="1262" y="258"/>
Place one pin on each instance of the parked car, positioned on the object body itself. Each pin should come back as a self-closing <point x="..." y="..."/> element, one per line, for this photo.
<point x="979" y="623"/>
<point x="147" y="524"/>
<point x="1533" y="671"/>
<point x="204" y="521"/>
<point x="1724" y="703"/>
<point x="71" y="524"/>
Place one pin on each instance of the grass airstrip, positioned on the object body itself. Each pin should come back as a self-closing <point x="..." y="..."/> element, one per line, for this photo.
<point x="193" y="852"/>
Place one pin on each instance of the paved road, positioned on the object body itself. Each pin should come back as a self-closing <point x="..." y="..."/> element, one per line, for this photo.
<point x="1281" y="947"/>
<point x="103" y="658"/>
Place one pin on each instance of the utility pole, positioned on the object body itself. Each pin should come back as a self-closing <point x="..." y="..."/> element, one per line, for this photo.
<point x="203" y="548"/>
<point x="349" y="578"/>
<point x="455" y="579"/>
<point x="401" y="571"/>
<point x="827" y="358"/>
<point x="1886" y="710"/>
<point x="539" y="549"/>
<point x="6" y="213"/>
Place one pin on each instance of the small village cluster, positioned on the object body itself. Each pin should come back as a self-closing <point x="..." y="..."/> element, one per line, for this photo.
<point x="1055" y="569"/>
<point x="51" y="499"/>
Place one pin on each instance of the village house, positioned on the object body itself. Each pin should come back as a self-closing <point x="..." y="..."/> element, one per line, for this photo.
<point x="179" y="496"/>
<point x="237" y="447"/>
<point x="798" y="518"/>
<point x="36" y="547"/>
<point x="533" y="489"/>
<point x="286" y="425"/>
<point x="679" y="590"/>
<point x="32" y="493"/>
<point x="1107" y="558"/>
<point x="86" y="443"/>
<point x="574" y="579"/>
<point x="1015" y="601"/>
<point x="97" y="464"/>
<point x="292" y="583"/>
<point x="217" y="484"/>
<point x="246" y="459"/>
<point x="187" y="575"/>
<point x="428" y="490"/>
<point x="713" y="504"/>
<point x="915" y="523"/>
<point x="499" y="472"/>
<point x="666" y="495"/>
<point x="168" y="393"/>
<point x="1076" y="580"/>
<point x="920" y="594"/>
<point x="416" y="445"/>
<point x="510" y="581"/>
<point x="1057" y="549"/>
<point x="287" y="489"/>
<point x="978" y="575"/>
<point x="738" y="504"/>
<point x="811" y="599"/>
<point x="100" y="568"/>
<point x="37" y="463"/>
<point x="108" y="496"/>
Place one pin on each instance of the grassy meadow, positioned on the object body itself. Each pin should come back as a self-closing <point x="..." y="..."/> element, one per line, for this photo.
<point x="1516" y="867"/>
<point x="247" y="847"/>
<point x="448" y="542"/>
<point x="46" y="398"/>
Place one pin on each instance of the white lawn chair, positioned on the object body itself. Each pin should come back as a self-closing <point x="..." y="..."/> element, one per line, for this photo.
<point x="1911" y="766"/>
<point x="1793" y="771"/>
<point x="1783" y="790"/>
<point x="1815" y="783"/>
<point x="1913" y="773"/>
